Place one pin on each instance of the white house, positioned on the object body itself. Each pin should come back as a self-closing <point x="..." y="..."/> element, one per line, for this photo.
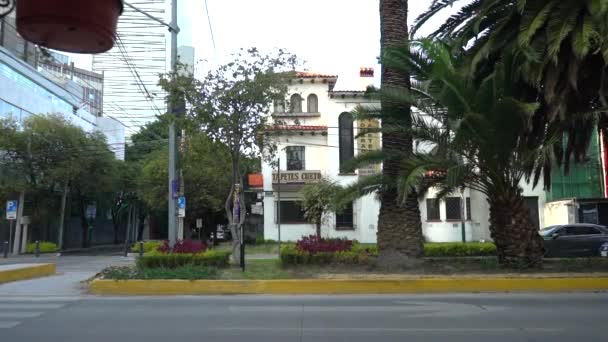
<point x="316" y="134"/>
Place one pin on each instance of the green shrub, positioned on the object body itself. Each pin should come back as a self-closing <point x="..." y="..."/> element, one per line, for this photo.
<point x="458" y="249"/>
<point x="45" y="247"/>
<point x="291" y="255"/>
<point x="149" y="246"/>
<point x="211" y="258"/>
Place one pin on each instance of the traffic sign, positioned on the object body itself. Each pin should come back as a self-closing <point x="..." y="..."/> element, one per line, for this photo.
<point x="11" y="210"/>
<point x="181" y="206"/>
<point x="91" y="211"/>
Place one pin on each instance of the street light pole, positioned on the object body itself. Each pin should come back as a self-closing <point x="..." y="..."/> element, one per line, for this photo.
<point x="462" y="215"/>
<point x="279" y="202"/>
<point x="172" y="136"/>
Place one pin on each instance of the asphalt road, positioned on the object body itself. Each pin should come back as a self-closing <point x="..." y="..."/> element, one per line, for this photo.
<point x="475" y="317"/>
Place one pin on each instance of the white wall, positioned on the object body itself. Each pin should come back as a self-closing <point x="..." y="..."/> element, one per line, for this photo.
<point x="115" y="135"/>
<point x="559" y="212"/>
<point x="326" y="159"/>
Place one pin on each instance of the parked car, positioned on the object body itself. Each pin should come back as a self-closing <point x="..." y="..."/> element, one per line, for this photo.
<point x="574" y="240"/>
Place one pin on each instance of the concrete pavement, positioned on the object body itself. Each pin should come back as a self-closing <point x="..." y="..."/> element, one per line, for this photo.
<point x="71" y="271"/>
<point x="475" y="317"/>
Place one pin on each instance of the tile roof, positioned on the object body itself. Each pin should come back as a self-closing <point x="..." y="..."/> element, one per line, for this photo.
<point x="297" y="128"/>
<point x="310" y="74"/>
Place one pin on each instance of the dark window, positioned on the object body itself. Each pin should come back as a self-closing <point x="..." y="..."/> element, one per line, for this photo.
<point x="452" y="208"/>
<point x="296" y="103"/>
<point x="312" y="103"/>
<point x="468" y="203"/>
<point x="432" y="209"/>
<point x="295" y="158"/>
<point x="344" y="219"/>
<point x="582" y="230"/>
<point x="291" y="212"/>
<point x="347" y="146"/>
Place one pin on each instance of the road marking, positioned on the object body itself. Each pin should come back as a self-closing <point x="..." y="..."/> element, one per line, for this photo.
<point x="18" y="314"/>
<point x="48" y="299"/>
<point x="403" y="330"/>
<point x="30" y="306"/>
<point x="8" y="325"/>
<point x="313" y="308"/>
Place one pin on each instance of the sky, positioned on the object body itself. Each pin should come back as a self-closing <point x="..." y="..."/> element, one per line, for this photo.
<point x="335" y="37"/>
<point x="331" y="36"/>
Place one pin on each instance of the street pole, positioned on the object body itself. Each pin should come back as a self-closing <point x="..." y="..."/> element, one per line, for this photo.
<point x="462" y="215"/>
<point x="64" y="197"/>
<point x="17" y="243"/>
<point x="172" y="136"/>
<point x="279" y="202"/>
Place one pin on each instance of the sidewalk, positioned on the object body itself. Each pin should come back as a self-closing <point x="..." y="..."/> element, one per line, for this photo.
<point x="71" y="272"/>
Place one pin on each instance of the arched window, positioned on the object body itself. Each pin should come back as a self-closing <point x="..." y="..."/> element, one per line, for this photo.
<point x="312" y="103"/>
<point x="296" y="103"/>
<point x="346" y="135"/>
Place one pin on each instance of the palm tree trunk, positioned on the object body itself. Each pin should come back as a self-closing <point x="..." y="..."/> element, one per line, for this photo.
<point x="399" y="226"/>
<point x="517" y="239"/>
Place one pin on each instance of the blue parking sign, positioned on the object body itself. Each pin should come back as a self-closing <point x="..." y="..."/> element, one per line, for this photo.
<point x="181" y="202"/>
<point x="11" y="210"/>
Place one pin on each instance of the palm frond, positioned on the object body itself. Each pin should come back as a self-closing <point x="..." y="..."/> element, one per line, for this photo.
<point x="362" y="187"/>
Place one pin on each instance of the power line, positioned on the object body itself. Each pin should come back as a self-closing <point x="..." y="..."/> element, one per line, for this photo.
<point x="210" y="27"/>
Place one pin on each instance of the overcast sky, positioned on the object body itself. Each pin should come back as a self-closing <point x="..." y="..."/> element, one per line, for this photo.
<point x="333" y="36"/>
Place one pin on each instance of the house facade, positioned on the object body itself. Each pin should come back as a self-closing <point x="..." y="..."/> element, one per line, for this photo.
<point x="316" y="134"/>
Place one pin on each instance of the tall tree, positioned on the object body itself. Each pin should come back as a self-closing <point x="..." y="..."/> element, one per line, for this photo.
<point x="560" y="50"/>
<point x="476" y="134"/>
<point x="48" y="153"/>
<point x="231" y="106"/>
<point x="399" y="226"/>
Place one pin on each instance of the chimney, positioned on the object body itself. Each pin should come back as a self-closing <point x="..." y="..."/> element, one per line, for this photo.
<point x="366" y="72"/>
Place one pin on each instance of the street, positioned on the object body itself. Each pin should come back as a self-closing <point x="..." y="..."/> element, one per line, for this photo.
<point x="473" y="317"/>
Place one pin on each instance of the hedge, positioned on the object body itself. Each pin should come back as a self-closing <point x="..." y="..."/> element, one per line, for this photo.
<point x="149" y="246"/>
<point x="290" y="255"/>
<point x="211" y="258"/>
<point x="45" y="247"/>
<point x="362" y="254"/>
<point x="458" y="249"/>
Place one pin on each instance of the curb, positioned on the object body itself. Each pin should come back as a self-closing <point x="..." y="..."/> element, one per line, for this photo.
<point x="321" y="286"/>
<point x="26" y="271"/>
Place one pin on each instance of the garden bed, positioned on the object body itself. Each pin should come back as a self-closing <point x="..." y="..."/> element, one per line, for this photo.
<point x="429" y="267"/>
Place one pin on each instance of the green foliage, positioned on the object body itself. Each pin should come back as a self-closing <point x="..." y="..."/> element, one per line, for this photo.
<point x="188" y="272"/>
<point x="458" y="249"/>
<point x="559" y="50"/>
<point x="319" y="199"/>
<point x="231" y="106"/>
<point x="204" y="166"/>
<point x="290" y="255"/>
<point x="45" y="247"/>
<point x="210" y="258"/>
<point x="149" y="246"/>
<point x="364" y="254"/>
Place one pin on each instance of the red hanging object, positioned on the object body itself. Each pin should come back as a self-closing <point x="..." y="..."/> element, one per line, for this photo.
<point x="79" y="26"/>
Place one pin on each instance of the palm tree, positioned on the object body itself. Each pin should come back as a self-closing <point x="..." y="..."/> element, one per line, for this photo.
<point x="475" y="134"/>
<point x="399" y="226"/>
<point x="560" y="48"/>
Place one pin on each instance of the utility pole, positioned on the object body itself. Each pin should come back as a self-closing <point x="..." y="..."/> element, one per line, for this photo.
<point x="172" y="136"/>
<point x="463" y="212"/>
<point x="279" y="202"/>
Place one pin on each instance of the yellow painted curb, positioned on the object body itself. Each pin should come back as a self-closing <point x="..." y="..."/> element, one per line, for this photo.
<point x="27" y="272"/>
<point x="321" y="286"/>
